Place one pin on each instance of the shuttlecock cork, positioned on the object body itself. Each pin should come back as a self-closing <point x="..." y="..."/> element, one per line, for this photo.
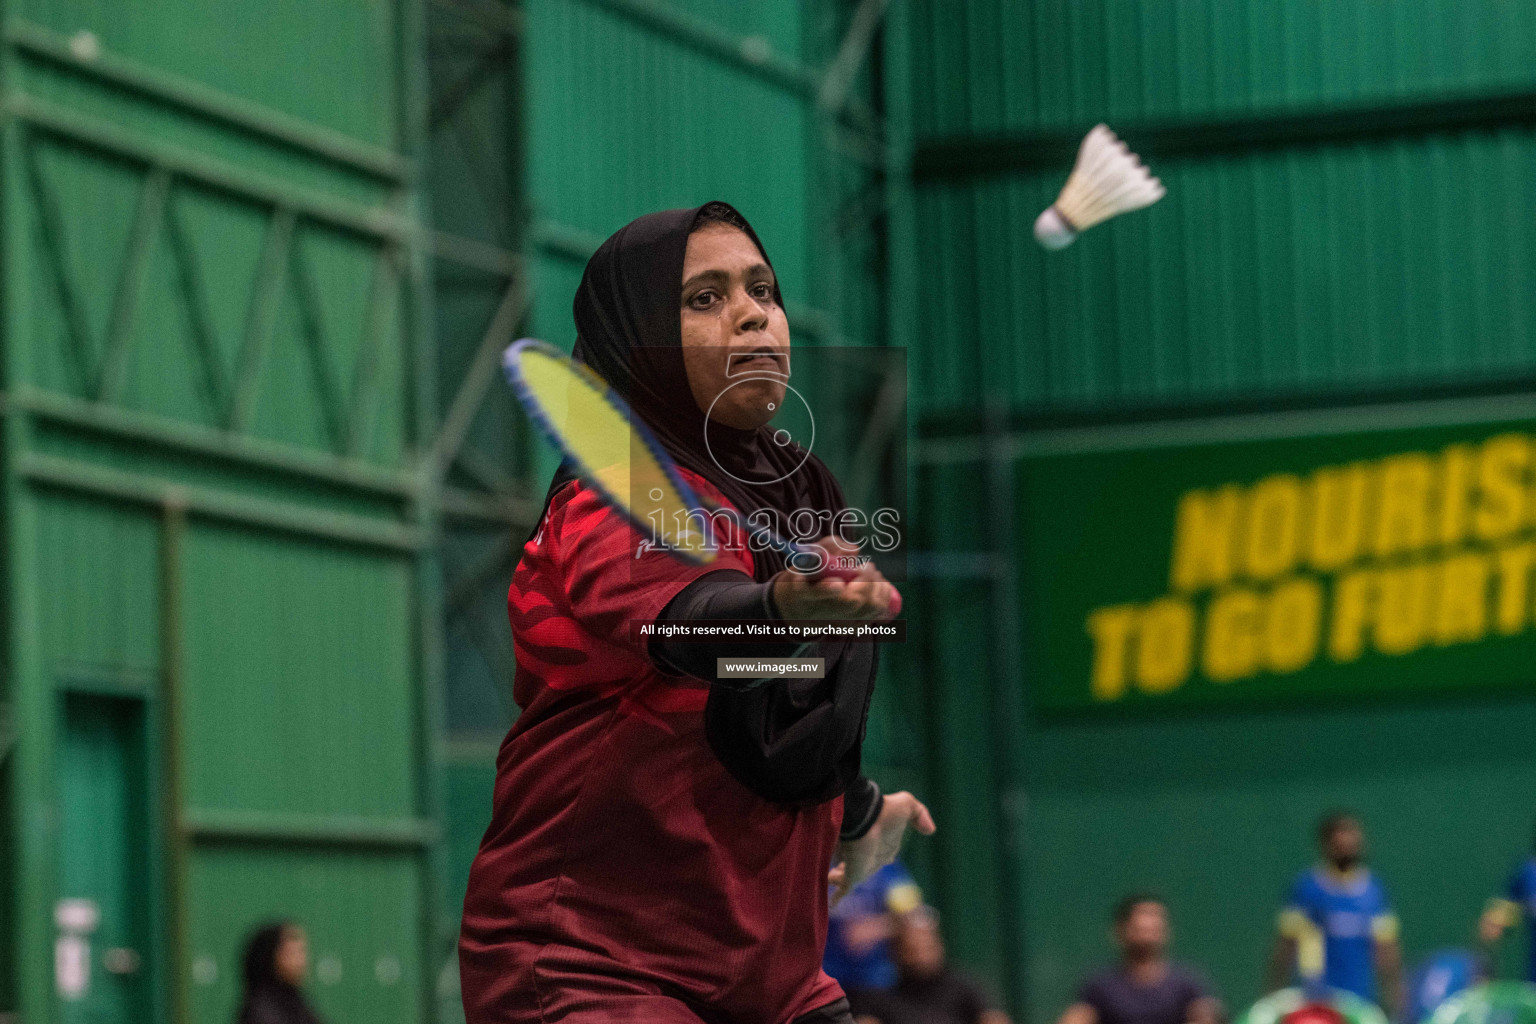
<point x="1107" y="180"/>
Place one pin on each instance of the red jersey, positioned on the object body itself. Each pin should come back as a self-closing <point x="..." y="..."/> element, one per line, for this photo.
<point x="625" y="874"/>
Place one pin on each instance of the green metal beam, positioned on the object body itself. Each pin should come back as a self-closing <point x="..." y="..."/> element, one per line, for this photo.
<point x="147" y="220"/>
<point x="477" y="255"/>
<point x="437" y="930"/>
<point x="189" y="270"/>
<point x="253" y="453"/>
<point x="96" y="133"/>
<point x="1009" y="732"/>
<point x="749" y="54"/>
<point x="838" y="81"/>
<point x="50" y="220"/>
<point x="488" y="14"/>
<point x="482" y="370"/>
<point x="498" y="557"/>
<point x="31" y="771"/>
<point x="383" y="293"/>
<point x="564" y="241"/>
<point x="514" y="511"/>
<point x="171" y="776"/>
<point x="106" y="680"/>
<point x="577" y="246"/>
<point x="1159" y="430"/>
<point x="487" y="472"/>
<point x="886" y="417"/>
<point x="474" y="751"/>
<point x="740" y="53"/>
<point x="210" y="825"/>
<point x="269" y="125"/>
<point x="495" y="59"/>
<point x="209" y="503"/>
<point x="265" y="292"/>
<point x="306" y="294"/>
<point x="950" y="158"/>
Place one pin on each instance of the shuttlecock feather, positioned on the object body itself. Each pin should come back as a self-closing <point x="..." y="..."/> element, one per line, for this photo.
<point x="1107" y="180"/>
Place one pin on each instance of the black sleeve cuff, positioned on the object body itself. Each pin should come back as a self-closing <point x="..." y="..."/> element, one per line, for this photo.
<point x="862" y="804"/>
<point x="725" y="595"/>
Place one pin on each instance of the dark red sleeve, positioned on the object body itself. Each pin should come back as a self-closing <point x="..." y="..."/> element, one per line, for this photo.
<point x="613" y="579"/>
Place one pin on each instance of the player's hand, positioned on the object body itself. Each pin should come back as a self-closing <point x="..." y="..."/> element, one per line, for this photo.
<point x="862" y="857"/>
<point x="1490" y="927"/>
<point x="866" y="597"/>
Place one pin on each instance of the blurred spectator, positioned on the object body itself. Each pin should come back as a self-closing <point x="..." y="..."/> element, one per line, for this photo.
<point x="276" y="961"/>
<point x="1443" y="973"/>
<point x="1145" y="987"/>
<point x="859" y="929"/>
<point x="927" y="989"/>
<point x="1337" y="928"/>
<point x="1503" y="913"/>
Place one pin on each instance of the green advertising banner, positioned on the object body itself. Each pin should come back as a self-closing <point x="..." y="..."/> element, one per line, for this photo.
<point x="1384" y="550"/>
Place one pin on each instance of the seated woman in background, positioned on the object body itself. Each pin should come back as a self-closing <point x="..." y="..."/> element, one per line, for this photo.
<point x="276" y="960"/>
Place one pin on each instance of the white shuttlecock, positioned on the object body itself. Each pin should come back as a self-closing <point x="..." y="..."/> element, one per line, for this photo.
<point x="1107" y="180"/>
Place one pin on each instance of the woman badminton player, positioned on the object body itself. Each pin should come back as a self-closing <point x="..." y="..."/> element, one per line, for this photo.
<point x="660" y="841"/>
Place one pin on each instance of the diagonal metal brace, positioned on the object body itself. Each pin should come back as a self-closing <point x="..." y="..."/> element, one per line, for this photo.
<point x="450" y="438"/>
<point x="147" y="222"/>
<point x="837" y="82"/>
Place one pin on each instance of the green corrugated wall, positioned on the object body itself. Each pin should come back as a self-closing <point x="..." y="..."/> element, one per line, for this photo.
<point x="624" y="120"/>
<point x="1010" y="65"/>
<point x="1370" y="261"/>
<point x="1348" y="217"/>
<point x="214" y="525"/>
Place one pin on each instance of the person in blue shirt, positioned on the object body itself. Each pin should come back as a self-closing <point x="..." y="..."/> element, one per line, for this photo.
<point x="1518" y="902"/>
<point x="859" y="929"/>
<point x="1443" y="974"/>
<point x="1337" y="929"/>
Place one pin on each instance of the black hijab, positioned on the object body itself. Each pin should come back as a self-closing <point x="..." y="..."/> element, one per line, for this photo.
<point x="629" y="329"/>
<point x="792" y="741"/>
<point x="269" y="999"/>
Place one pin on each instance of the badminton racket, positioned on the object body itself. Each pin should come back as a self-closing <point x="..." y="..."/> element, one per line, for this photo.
<point x="613" y="452"/>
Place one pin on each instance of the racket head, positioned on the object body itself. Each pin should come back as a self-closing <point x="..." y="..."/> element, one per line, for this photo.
<point x="611" y="450"/>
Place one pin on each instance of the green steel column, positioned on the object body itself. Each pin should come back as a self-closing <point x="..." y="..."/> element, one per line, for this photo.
<point x="901" y="250"/>
<point x="32" y="767"/>
<point x="34" y="708"/>
<point x="437" y="935"/>
<point x="34" y="711"/>
<point x="172" y="801"/>
<point x="1007" y="701"/>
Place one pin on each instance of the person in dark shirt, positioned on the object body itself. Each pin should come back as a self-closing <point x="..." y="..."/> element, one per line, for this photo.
<point x="1145" y="987"/>
<point x="927" y="990"/>
<point x="275" y="963"/>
